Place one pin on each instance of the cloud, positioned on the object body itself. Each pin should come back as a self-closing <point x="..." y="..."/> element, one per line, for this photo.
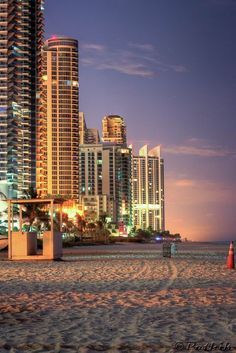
<point x="128" y="68"/>
<point x="136" y="59"/>
<point x="93" y="47"/>
<point x="199" y="191"/>
<point x="87" y="61"/>
<point x="195" y="140"/>
<point x="199" y="151"/>
<point x="143" y="47"/>
<point x="185" y="182"/>
<point x="178" y="68"/>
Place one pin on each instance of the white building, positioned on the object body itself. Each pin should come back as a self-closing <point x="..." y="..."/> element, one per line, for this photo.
<point x="148" y="189"/>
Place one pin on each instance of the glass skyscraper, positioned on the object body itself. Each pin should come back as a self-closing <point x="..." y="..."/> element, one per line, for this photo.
<point x="21" y="39"/>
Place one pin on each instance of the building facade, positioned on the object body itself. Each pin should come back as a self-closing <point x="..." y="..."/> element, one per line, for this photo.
<point x="148" y="189"/>
<point x="21" y="40"/>
<point x="105" y="180"/>
<point x="114" y="129"/>
<point x="95" y="206"/>
<point x="92" y="136"/>
<point x="82" y="129"/>
<point x="87" y="135"/>
<point x="57" y="160"/>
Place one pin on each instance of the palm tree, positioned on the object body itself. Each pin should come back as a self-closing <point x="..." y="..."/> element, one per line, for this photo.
<point x="81" y="223"/>
<point x="33" y="211"/>
<point x="100" y="225"/>
<point x="103" y="218"/>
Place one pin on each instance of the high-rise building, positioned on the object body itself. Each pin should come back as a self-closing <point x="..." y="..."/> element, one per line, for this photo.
<point x="82" y="129"/>
<point x="21" y="36"/>
<point x="58" y="159"/>
<point x="114" y="129"/>
<point x="87" y="135"/>
<point x="148" y="189"/>
<point x="92" y="136"/>
<point x="105" y="180"/>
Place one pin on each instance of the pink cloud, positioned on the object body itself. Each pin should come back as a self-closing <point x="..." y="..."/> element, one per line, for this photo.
<point x="198" y="151"/>
<point x="185" y="182"/>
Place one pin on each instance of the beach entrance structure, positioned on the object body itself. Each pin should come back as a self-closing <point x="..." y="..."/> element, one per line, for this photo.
<point x="23" y="245"/>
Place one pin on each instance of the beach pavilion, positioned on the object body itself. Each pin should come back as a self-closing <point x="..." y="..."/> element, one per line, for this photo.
<point x="22" y="245"/>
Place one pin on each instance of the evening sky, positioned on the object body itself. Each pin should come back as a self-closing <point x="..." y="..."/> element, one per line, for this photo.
<point x="169" y="68"/>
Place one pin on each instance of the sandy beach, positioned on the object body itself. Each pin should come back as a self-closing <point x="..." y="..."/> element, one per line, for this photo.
<point x="119" y="298"/>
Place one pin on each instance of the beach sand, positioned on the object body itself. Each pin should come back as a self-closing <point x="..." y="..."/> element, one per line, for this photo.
<point x="120" y="298"/>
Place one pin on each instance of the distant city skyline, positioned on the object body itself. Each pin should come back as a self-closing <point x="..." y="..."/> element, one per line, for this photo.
<point x="170" y="71"/>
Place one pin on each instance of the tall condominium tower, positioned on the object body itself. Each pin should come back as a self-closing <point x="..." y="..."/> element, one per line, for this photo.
<point x="148" y="189"/>
<point x="58" y="158"/>
<point x="82" y="128"/>
<point x="21" y="35"/>
<point x="87" y="135"/>
<point x="105" y="180"/>
<point x="114" y="129"/>
<point x="92" y="136"/>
